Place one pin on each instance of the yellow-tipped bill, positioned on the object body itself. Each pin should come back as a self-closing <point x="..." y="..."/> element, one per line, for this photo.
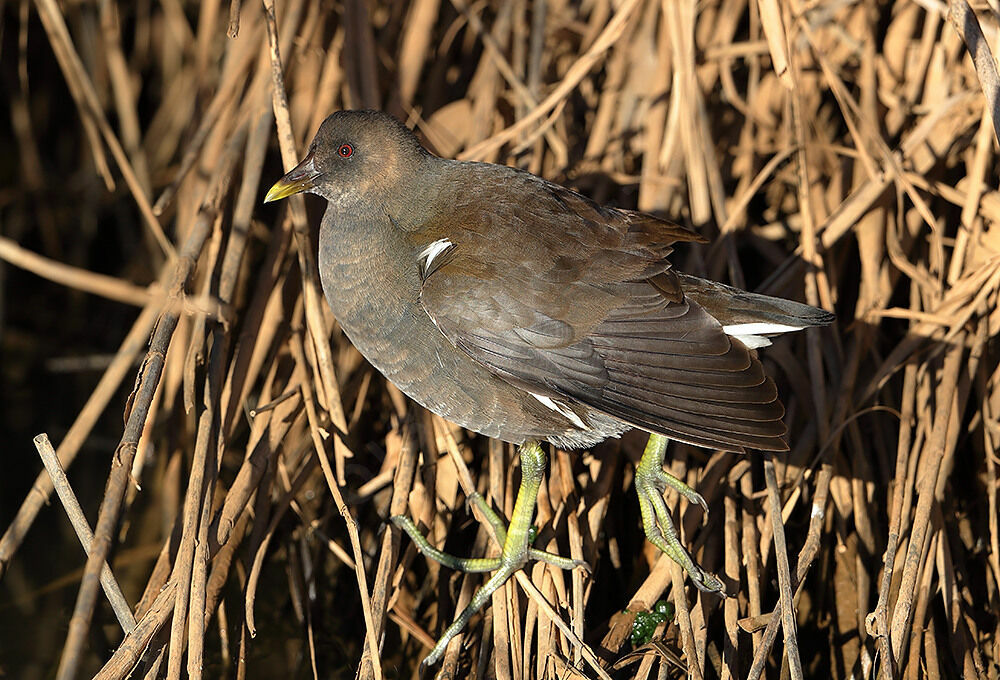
<point x="300" y="178"/>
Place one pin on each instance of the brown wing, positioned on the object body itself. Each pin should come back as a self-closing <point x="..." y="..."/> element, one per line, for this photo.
<point x="590" y="310"/>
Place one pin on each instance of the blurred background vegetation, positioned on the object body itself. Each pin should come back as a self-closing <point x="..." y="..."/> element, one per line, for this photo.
<point x="156" y="323"/>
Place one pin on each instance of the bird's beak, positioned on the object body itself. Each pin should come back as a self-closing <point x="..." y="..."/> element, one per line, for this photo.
<point x="300" y="178"/>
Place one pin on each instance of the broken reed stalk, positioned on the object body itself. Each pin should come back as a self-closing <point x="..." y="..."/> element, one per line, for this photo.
<point x="831" y="169"/>
<point x="124" y="455"/>
<point x="79" y="521"/>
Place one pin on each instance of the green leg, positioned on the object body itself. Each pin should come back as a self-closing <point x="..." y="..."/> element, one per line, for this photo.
<point x="500" y="531"/>
<point x="650" y="482"/>
<point x="515" y="539"/>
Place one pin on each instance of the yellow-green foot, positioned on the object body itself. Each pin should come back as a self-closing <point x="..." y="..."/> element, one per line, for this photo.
<point x="515" y="539"/>
<point x="650" y="482"/>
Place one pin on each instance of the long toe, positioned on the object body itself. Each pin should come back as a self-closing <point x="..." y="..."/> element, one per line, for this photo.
<point x="558" y="561"/>
<point x="665" y="480"/>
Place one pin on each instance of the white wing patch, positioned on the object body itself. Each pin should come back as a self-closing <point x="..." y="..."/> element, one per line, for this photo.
<point x="754" y="335"/>
<point x="561" y="409"/>
<point x="427" y="255"/>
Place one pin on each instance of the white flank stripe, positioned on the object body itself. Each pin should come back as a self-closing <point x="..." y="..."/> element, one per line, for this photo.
<point x="433" y="250"/>
<point x="561" y="409"/>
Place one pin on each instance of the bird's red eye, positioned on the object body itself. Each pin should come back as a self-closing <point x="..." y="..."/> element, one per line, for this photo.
<point x="345" y="151"/>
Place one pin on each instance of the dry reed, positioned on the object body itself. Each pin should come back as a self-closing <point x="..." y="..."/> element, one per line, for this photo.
<point x="838" y="153"/>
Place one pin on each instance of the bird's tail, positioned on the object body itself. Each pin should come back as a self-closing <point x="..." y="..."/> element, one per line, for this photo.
<point x="750" y="317"/>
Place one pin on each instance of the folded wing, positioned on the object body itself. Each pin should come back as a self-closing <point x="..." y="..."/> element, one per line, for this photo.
<point x="604" y="323"/>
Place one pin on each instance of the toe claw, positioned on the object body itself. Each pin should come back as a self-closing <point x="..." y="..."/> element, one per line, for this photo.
<point x="708" y="582"/>
<point x="471" y="500"/>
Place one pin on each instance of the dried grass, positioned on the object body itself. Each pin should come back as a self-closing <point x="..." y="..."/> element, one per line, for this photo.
<point x="838" y="153"/>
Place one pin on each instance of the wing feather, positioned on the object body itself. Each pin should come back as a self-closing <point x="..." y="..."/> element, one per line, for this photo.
<point x="603" y="322"/>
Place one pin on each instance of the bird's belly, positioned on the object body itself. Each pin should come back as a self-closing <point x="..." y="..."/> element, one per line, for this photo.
<point x="419" y="360"/>
<point x="376" y="301"/>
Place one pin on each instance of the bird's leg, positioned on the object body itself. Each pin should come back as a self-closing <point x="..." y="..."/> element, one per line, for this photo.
<point x="515" y="539"/>
<point x="500" y="532"/>
<point x="651" y="480"/>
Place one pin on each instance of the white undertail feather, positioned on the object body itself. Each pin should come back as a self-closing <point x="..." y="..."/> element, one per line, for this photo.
<point x="755" y="335"/>
<point x="561" y="409"/>
<point x="428" y="254"/>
